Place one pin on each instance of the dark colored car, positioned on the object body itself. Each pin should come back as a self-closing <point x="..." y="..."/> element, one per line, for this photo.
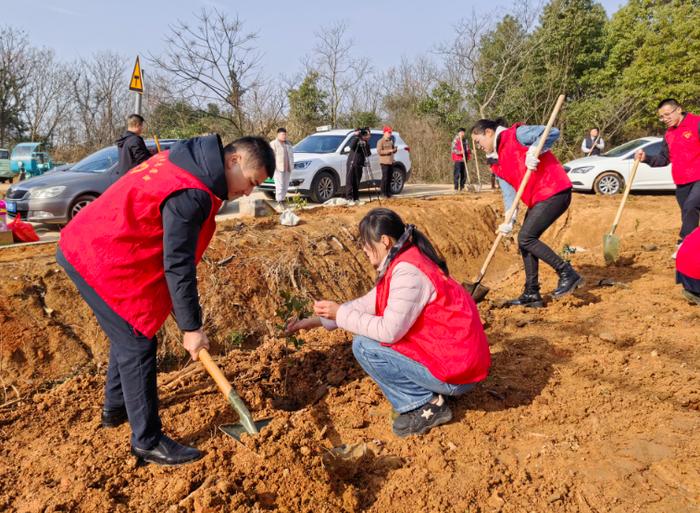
<point x="57" y="196"/>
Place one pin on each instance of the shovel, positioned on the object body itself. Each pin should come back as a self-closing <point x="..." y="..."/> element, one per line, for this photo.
<point x="470" y="186"/>
<point x="476" y="289"/>
<point x="611" y="242"/>
<point x="246" y="423"/>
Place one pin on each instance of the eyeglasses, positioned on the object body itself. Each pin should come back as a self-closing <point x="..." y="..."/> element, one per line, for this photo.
<point x="668" y="115"/>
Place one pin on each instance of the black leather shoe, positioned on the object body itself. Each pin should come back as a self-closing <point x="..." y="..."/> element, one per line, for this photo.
<point x="529" y="299"/>
<point x="113" y="418"/>
<point x="569" y="280"/>
<point x="168" y="452"/>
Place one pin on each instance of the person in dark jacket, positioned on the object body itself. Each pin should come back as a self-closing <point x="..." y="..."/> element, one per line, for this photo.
<point x="133" y="253"/>
<point x="681" y="148"/>
<point x="132" y="148"/>
<point x="359" y="152"/>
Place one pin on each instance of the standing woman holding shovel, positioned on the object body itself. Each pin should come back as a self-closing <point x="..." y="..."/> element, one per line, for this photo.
<point x="547" y="196"/>
<point x="417" y="332"/>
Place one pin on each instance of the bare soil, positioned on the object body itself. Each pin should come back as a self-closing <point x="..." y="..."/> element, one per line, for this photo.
<point x="591" y="405"/>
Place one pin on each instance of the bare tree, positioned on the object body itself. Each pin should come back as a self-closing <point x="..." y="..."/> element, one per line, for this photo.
<point x="48" y="96"/>
<point x="486" y="78"/>
<point x="213" y="62"/>
<point x="266" y="105"/>
<point x="15" y="68"/>
<point x="339" y="72"/>
<point x="100" y="98"/>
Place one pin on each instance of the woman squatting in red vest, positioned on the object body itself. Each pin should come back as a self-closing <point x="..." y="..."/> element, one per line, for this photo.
<point x="417" y="332"/>
<point x="547" y="196"/>
<point x="133" y="253"/>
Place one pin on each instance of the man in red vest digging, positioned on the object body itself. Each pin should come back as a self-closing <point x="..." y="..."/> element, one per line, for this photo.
<point x="133" y="253"/>
<point x="680" y="148"/>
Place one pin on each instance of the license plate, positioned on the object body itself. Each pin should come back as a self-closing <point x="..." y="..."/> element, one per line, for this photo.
<point x="269" y="180"/>
<point x="11" y="207"/>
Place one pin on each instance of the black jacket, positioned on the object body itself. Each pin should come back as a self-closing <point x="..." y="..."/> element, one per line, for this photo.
<point x="184" y="214"/>
<point x="132" y="151"/>
<point x="359" y="151"/>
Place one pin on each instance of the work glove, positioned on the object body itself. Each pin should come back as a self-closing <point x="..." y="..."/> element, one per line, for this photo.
<point x="505" y="229"/>
<point x="531" y="159"/>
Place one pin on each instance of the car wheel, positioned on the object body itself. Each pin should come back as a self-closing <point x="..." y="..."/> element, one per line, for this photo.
<point x="323" y="187"/>
<point x="608" y="183"/>
<point x="79" y="204"/>
<point x="398" y="180"/>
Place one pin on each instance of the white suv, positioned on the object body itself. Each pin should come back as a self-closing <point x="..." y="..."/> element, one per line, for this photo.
<point x="320" y="165"/>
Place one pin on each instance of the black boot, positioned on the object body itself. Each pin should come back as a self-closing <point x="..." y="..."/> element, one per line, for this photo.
<point x="569" y="280"/>
<point x="113" y="418"/>
<point x="530" y="298"/>
<point x="168" y="452"/>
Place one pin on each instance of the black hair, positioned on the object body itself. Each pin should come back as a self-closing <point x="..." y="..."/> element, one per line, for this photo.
<point x="364" y="132"/>
<point x="281" y="130"/>
<point x="461" y="129"/>
<point x="672" y="102"/>
<point x="383" y="221"/>
<point x="135" y="120"/>
<point x="257" y="149"/>
<point x="491" y="124"/>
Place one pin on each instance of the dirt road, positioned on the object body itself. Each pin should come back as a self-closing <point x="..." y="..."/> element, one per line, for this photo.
<point x="591" y="405"/>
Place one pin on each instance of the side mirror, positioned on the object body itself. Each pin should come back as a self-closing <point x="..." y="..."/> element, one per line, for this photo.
<point x="346" y="150"/>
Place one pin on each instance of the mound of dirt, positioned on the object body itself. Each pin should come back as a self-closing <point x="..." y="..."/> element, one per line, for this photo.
<point x="592" y="404"/>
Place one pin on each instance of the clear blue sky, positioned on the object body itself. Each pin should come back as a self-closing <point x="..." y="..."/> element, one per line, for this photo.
<point x="384" y="31"/>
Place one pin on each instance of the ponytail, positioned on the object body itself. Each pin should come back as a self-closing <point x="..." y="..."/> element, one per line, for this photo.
<point x="383" y="221"/>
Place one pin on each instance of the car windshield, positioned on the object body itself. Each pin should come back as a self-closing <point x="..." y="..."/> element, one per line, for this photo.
<point x="98" y="162"/>
<point x="20" y="151"/>
<point x="319" y="144"/>
<point x="618" y="151"/>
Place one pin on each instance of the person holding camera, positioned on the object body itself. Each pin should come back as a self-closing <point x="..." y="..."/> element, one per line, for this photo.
<point x="359" y="153"/>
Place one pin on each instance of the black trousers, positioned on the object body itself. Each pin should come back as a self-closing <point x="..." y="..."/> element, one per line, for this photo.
<point x="688" y="197"/>
<point x="460" y="175"/>
<point x="689" y="284"/>
<point x="131" y="374"/>
<point x="387" y="170"/>
<point x="352" y="182"/>
<point x="537" y="220"/>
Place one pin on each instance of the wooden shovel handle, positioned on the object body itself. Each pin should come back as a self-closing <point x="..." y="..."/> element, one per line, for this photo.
<point x="628" y="188"/>
<point x="510" y="215"/>
<point x="214" y="372"/>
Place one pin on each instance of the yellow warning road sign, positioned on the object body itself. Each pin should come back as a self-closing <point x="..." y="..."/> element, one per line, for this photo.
<point x="136" y="83"/>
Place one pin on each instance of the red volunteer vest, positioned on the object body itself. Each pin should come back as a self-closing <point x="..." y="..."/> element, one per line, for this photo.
<point x="547" y="180"/>
<point x="688" y="257"/>
<point x="116" y="243"/>
<point x="457" y="156"/>
<point x="448" y="337"/>
<point x="684" y="150"/>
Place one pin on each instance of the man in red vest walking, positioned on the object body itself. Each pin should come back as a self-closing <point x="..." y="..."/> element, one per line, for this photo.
<point x="132" y="254"/>
<point x="681" y="148"/>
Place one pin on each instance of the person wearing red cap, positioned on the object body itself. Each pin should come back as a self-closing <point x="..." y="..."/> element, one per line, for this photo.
<point x="386" y="150"/>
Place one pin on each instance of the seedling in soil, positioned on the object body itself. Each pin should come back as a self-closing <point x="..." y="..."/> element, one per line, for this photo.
<point x="566" y="251"/>
<point x="292" y="307"/>
<point x="235" y="340"/>
<point x="298" y="202"/>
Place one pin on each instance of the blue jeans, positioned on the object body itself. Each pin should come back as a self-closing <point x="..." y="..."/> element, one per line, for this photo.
<point x="406" y="383"/>
<point x="508" y="193"/>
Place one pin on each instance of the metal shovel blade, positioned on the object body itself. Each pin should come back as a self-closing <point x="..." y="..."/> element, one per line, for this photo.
<point x="238" y="429"/>
<point x="611" y="248"/>
<point x="476" y="290"/>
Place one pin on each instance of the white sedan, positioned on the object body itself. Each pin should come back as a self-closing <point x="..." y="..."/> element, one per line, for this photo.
<point x="606" y="173"/>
